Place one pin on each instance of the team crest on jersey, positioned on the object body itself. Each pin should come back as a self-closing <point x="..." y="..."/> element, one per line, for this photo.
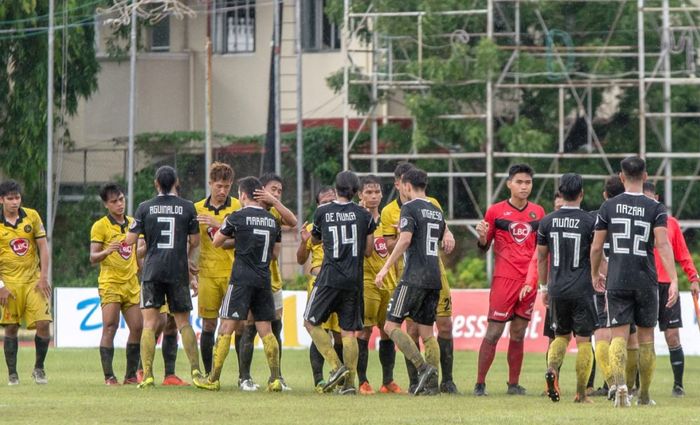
<point x="519" y="231"/>
<point x="28" y="228"/>
<point x="380" y="247"/>
<point x="211" y="231"/>
<point x="132" y="224"/>
<point x="20" y="246"/>
<point x="125" y="250"/>
<point x="533" y="215"/>
<point x="403" y="223"/>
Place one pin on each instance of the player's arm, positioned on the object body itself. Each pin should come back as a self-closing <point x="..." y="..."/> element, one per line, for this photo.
<point x="370" y="245"/>
<point x="43" y="285"/>
<point x="597" y="258"/>
<point x="97" y="254"/>
<point x="140" y="252"/>
<point x="666" y="253"/>
<point x="276" y="249"/>
<point x="132" y="237"/>
<point x="486" y="230"/>
<point x="543" y="270"/>
<point x="400" y="248"/>
<point x="682" y="255"/>
<point x="303" y="249"/>
<point x="287" y="217"/>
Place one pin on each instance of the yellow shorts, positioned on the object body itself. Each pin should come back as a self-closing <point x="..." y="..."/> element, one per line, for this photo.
<point x="332" y="323"/>
<point x="444" y="308"/>
<point x="376" y="303"/>
<point x="126" y="294"/>
<point x="211" y="293"/>
<point x="28" y="305"/>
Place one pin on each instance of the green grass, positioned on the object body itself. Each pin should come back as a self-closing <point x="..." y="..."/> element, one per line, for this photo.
<point x="76" y="394"/>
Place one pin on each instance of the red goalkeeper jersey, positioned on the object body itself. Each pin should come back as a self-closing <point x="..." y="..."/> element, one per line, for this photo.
<point x="514" y="236"/>
<point x="680" y="253"/>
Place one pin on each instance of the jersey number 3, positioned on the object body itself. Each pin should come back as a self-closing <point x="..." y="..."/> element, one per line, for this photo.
<point x="168" y="232"/>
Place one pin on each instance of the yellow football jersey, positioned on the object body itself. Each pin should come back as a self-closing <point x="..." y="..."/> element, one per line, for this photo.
<point x="214" y="262"/>
<point x="380" y="253"/>
<point x="19" y="256"/>
<point x="275" y="273"/>
<point x="316" y="250"/>
<point x="119" y="266"/>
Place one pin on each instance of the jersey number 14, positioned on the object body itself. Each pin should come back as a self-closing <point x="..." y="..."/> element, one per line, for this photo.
<point x="340" y="236"/>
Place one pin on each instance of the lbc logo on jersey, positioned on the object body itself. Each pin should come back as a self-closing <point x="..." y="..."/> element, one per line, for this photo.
<point x="519" y="231"/>
<point x="125" y="250"/>
<point x="211" y="231"/>
<point x="19" y="246"/>
<point x="380" y="247"/>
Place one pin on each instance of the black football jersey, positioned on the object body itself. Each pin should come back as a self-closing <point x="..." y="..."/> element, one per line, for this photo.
<point x="630" y="220"/>
<point x="568" y="233"/>
<point x="343" y="230"/>
<point x="166" y="222"/>
<point x="422" y="263"/>
<point x="256" y="231"/>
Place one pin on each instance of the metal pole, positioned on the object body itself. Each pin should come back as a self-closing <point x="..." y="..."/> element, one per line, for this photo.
<point x="49" y="137"/>
<point x="207" y="95"/>
<point x="489" y="133"/>
<point x="132" y="105"/>
<point x="668" y="142"/>
<point x="277" y="40"/>
<point x="375" y="69"/>
<point x="300" y="114"/>
<point x="346" y="86"/>
<point x="642" y="88"/>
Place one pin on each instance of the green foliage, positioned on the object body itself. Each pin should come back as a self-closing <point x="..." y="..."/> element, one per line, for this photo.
<point x="469" y="273"/>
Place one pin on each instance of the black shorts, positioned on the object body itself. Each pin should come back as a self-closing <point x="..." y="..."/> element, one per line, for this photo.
<point x="325" y="300"/>
<point x="669" y="318"/>
<point x="419" y="304"/>
<point x="155" y="294"/>
<point x="633" y="306"/>
<point x="577" y="315"/>
<point x="240" y="299"/>
<point x="548" y="331"/>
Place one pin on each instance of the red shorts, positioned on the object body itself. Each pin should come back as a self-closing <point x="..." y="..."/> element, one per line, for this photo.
<point x="504" y="303"/>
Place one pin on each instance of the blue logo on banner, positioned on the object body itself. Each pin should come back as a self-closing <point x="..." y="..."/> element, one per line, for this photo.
<point x="92" y="304"/>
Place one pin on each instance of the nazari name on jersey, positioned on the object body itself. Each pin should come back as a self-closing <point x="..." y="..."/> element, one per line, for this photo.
<point x="629" y="210"/>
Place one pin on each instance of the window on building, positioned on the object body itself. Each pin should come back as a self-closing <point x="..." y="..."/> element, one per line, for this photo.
<point x="160" y="36"/>
<point x="318" y="32"/>
<point x="234" y="26"/>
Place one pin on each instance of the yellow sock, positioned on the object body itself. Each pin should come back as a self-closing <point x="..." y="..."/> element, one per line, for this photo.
<point x="618" y="359"/>
<point x="221" y="349"/>
<point x="189" y="342"/>
<point x="148" y="351"/>
<point x="432" y="351"/>
<point x="324" y="346"/>
<point x="407" y="347"/>
<point x="351" y="352"/>
<point x="272" y="353"/>
<point x="647" y="366"/>
<point x="556" y="353"/>
<point x="584" y="364"/>
<point x="632" y="366"/>
<point x="602" y="359"/>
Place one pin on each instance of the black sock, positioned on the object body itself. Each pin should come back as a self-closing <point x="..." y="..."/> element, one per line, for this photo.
<point x="206" y="347"/>
<point x="591" y="378"/>
<point x="339" y="351"/>
<point x="246" y="346"/>
<point x="42" y="347"/>
<point x="387" y="357"/>
<point x="106" y="357"/>
<point x="316" y="359"/>
<point x="677" y="364"/>
<point x="169" y="348"/>
<point x="10" y="348"/>
<point x="362" y="359"/>
<point x="446" y="358"/>
<point x="277" y="330"/>
<point x="133" y="358"/>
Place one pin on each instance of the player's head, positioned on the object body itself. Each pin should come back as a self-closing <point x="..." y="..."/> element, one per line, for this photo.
<point x="10" y="196"/>
<point x="558" y="201"/>
<point x="634" y="170"/>
<point x="413" y="183"/>
<point x="220" y="181"/>
<point x="166" y="179"/>
<point x="520" y="181"/>
<point x="346" y="185"/>
<point x="325" y="195"/>
<point x="400" y="170"/>
<point x="370" y="191"/>
<point x="246" y="190"/>
<point x="613" y="187"/>
<point x="273" y="184"/>
<point x="649" y="190"/>
<point x="113" y="199"/>
<point x="571" y="187"/>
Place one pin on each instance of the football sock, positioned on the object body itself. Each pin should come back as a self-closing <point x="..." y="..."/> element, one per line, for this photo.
<point x="584" y="364"/>
<point x="408" y="348"/>
<point x="618" y="359"/>
<point x="189" y="342"/>
<point x="42" y="347"/>
<point x="677" y="364"/>
<point x="446" y="358"/>
<point x="647" y="366"/>
<point x="10" y="347"/>
<point x="362" y="359"/>
<point x="148" y="350"/>
<point x="339" y="350"/>
<point x="169" y="349"/>
<point x="515" y="360"/>
<point x="272" y="348"/>
<point x="602" y="357"/>
<point x="206" y="347"/>
<point x="277" y="331"/>
<point x="221" y="349"/>
<point x="316" y="360"/>
<point x="106" y="357"/>
<point x="487" y="351"/>
<point x="556" y="352"/>
<point x="245" y="356"/>
<point x="591" y="377"/>
<point x="432" y="352"/>
<point x="324" y="346"/>
<point x="133" y="351"/>
<point x="387" y="358"/>
<point x="631" y="366"/>
<point x="411" y="369"/>
<point x="350" y="354"/>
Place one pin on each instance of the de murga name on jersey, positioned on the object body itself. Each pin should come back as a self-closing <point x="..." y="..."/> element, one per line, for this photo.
<point x="332" y="217"/>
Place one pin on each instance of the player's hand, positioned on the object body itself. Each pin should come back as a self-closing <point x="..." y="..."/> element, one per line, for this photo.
<point x="5" y="295"/>
<point x="304" y="232"/>
<point x="598" y="283"/>
<point x="694" y="288"/>
<point x="194" y="269"/>
<point x="672" y="294"/>
<point x="194" y="286"/>
<point x="208" y="220"/>
<point x="44" y="287"/>
<point x="482" y="229"/>
<point x="524" y="291"/>
<point x="448" y="242"/>
<point x="379" y="279"/>
<point x="113" y="247"/>
<point x="262" y="195"/>
<point x="545" y="299"/>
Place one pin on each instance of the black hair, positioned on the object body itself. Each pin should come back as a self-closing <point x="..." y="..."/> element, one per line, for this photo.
<point x="401" y="168"/>
<point x="368" y="180"/>
<point x="109" y="189"/>
<point x="614" y="186"/>
<point x="520" y="168"/>
<point x="633" y="167"/>
<point x="8" y="187"/>
<point x="270" y="177"/>
<point x="649" y="187"/>
<point x="570" y="186"/>
<point x="321" y="191"/>
<point x="557" y="195"/>
<point x="249" y="185"/>
<point x="347" y="184"/>
<point x="166" y="178"/>
<point x="416" y="178"/>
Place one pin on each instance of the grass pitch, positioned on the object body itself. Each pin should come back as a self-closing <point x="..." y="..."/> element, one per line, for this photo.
<point x="76" y="394"/>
